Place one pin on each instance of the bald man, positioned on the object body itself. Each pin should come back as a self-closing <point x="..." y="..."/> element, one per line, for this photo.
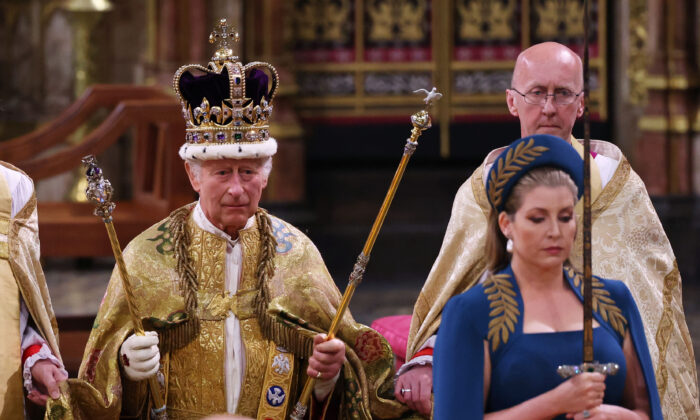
<point x="629" y="243"/>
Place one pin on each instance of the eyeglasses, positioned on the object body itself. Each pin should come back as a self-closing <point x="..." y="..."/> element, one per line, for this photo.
<point x="539" y="96"/>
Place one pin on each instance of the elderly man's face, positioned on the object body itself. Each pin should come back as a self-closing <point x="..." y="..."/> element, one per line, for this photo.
<point x="546" y="67"/>
<point x="229" y="190"/>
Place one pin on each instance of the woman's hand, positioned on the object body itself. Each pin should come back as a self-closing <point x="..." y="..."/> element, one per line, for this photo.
<point x="607" y="412"/>
<point x="584" y="391"/>
<point x="417" y="386"/>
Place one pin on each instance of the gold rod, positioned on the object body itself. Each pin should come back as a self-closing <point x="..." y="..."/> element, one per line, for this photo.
<point x="130" y="300"/>
<point x="153" y="385"/>
<point x="369" y="244"/>
<point x="421" y="122"/>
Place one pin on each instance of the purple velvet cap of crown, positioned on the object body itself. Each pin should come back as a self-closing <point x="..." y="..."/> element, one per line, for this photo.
<point x="256" y="86"/>
<point x="215" y="87"/>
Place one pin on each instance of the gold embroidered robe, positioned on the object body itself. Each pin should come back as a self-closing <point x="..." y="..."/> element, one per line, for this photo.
<point x="21" y="253"/>
<point x="629" y="244"/>
<point x="301" y="292"/>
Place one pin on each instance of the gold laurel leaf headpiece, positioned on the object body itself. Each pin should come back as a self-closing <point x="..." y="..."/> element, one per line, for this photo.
<point x="525" y="154"/>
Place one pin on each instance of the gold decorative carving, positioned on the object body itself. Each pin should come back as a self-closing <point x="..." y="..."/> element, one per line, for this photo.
<point x="504" y="308"/>
<point x="381" y="20"/>
<point x="385" y="15"/>
<point x="322" y="19"/>
<point x="556" y="18"/>
<point x="638" y="57"/>
<point x="678" y="124"/>
<point x="483" y="20"/>
<point x="507" y="167"/>
<point x="335" y="17"/>
<point x="676" y="82"/>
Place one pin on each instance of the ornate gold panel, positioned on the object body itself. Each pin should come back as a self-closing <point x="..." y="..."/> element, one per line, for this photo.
<point x="363" y="58"/>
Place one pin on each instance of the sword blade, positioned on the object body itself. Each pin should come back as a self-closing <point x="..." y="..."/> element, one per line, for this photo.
<point x="587" y="269"/>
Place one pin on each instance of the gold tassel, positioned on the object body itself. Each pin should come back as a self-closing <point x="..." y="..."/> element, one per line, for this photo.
<point x="271" y="327"/>
<point x="177" y="336"/>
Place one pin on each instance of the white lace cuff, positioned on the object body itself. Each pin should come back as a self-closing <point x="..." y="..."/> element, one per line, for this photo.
<point x="420" y="360"/>
<point x="43" y="354"/>
<point x="416" y="361"/>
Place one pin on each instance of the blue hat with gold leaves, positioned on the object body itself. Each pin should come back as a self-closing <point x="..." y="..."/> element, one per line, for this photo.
<point x="526" y="154"/>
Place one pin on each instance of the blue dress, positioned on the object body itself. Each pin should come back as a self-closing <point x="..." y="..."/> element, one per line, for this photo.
<point x="524" y="365"/>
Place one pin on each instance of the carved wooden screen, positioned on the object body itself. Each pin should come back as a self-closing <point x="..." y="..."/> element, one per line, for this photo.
<point x="363" y="58"/>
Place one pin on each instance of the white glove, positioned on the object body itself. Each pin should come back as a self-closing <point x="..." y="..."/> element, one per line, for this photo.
<point x="139" y="356"/>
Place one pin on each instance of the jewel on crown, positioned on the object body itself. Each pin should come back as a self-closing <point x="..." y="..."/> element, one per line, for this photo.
<point x="226" y="102"/>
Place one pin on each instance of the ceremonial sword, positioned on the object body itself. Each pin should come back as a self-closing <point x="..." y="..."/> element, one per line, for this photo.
<point x="421" y="122"/>
<point x="589" y="364"/>
<point x="99" y="192"/>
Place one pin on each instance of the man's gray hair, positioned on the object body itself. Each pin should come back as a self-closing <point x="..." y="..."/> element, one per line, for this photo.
<point x="196" y="167"/>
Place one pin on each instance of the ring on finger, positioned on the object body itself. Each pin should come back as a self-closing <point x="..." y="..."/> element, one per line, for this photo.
<point x="319" y="375"/>
<point x="404" y="390"/>
<point x="586" y="414"/>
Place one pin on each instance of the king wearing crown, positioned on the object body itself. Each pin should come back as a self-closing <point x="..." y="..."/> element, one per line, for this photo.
<point x="232" y="298"/>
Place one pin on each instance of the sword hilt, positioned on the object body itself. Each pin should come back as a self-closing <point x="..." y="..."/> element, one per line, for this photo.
<point x="607" y="369"/>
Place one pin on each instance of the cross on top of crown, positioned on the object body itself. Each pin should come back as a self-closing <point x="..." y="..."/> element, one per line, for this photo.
<point x="225" y="37"/>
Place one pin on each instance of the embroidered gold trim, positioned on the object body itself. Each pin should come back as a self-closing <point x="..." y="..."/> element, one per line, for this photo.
<point x="480" y="191"/>
<point x="204" y="392"/>
<point x="4" y="251"/>
<point x="665" y="328"/>
<point x="504" y="309"/>
<point x="611" y="190"/>
<point x="4" y="226"/>
<point x="279" y="375"/>
<point x="515" y="159"/>
<point x="602" y="302"/>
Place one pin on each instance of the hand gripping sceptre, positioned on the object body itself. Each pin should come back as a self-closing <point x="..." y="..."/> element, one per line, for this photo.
<point x="421" y="122"/>
<point x="99" y="192"/>
<point x="588" y="365"/>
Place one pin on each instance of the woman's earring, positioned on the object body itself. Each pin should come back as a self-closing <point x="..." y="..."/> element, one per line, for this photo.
<point x="509" y="245"/>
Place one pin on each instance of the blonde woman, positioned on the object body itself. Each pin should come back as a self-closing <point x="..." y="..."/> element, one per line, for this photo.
<point x="499" y="343"/>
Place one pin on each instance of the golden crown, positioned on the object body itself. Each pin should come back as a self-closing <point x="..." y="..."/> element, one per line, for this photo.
<point x="226" y="105"/>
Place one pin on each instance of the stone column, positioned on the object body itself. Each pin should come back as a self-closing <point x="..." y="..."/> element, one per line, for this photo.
<point x="665" y="146"/>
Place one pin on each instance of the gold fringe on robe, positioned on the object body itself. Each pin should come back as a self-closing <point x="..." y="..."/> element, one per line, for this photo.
<point x="302" y="298"/>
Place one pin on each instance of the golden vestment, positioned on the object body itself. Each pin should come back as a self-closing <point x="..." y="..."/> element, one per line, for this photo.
<point x="303" y="300"/>
<point x="20" y="275"/>
<point x="629" y="244"/>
